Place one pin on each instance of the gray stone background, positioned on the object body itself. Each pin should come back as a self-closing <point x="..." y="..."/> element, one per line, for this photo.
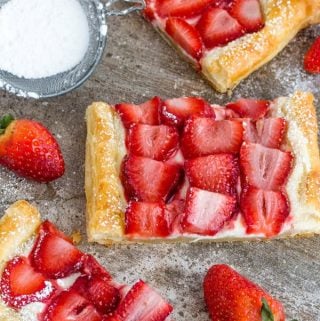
<point x="138" y="65"/>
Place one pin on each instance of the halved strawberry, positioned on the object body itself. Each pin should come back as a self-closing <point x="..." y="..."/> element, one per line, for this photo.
<point x="205" y="136"/>
<point x="175" y="111"/>
<point x="54" y="256"/>
<point x="312" y="58"/>
<point x="264" y="211"/>
<point x="207" y="212"/>
<point x="156" y="142"/>
<point x="186" y="36"/>
<point x="21" y="284"/>
<point x="91" y="267"/>
<point x="174" y="212"/>
<point x="99" y="291"/>
<point x="250" y="108"/>
<point x="216" y="173"/>
<point x="144" y="304"/>
<point x="264" y="167"/>
<point x="248" y="13"/>
<point x="70" y="305"/>
<point x="146" y="113"/>
<point x="271" y="131"/>
<point x="149" y="180"/>
<point x="147" y="220"/>
<point x="217" y="27"/>
<point x="180" y="8"/>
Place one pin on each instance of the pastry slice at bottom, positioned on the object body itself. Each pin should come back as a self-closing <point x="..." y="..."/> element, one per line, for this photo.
<point x="44" y="277"/>
<point x="186" y="170"/>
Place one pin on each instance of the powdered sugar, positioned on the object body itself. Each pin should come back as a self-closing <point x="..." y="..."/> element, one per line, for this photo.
<point x="41" y="38"/>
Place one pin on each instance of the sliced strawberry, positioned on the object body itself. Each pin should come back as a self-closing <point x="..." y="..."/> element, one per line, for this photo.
<point x="175" y="111"/>
<point x="271" y="131"/>
<point x="223" y="4"/>
<point x="148" y="180"/>
<point x="99" y="291"/>
<point x="91" y="267"/>
<point x="146" y="220"/>
<point x="205" y="136"/>
<point x="148" y="12"/>
<point x="144" y="304"/>
<point x="156" y="142"/>
<point x="174" y="214"/>
<point x="264" y="211"/>
<point x="248" y="13"/>
<point x="20" y="284"/>
<point x="264" y="167"/>
<point x="186" y="36"/>
<point x="180" y="8"/>
<point x="147" y="113"/>
<point x="250" y="108"/>
<point x="250" y="133"/>
<point x="207" y="212"/>
<point x="216" y="173"/>
<point x="48" y="228"/>
<point x="54" y="256"/>
<point x="217" y="27"/>
<point x="312" y="58"/>
<point x="70" y="305"/>
<point x="223" y="113"/>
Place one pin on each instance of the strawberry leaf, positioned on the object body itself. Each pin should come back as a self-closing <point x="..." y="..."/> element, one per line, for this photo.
<point x="5" y="122"/>
<point x="266" y="313"/>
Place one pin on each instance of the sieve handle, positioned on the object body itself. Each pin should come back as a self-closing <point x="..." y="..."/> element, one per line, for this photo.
<point x="134" y="5"/>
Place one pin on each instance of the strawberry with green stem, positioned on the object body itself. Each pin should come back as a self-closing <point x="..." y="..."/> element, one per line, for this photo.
<point x="30" y="150"/>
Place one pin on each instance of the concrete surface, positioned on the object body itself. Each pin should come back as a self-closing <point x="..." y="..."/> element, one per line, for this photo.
<point x="136" y="66"/>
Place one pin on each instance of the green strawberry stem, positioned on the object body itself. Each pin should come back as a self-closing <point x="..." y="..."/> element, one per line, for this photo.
<point x="5" y="121"/>
<point x="266" y="313"/>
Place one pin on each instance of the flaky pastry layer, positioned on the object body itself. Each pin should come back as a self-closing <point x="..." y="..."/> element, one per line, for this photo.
<point x="106" y="148"/>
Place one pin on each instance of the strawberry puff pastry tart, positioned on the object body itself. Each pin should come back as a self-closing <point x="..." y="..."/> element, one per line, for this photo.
<point x="183" y="169"/>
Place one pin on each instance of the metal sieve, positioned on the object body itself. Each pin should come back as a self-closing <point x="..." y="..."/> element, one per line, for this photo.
<point x="97" y="13"/>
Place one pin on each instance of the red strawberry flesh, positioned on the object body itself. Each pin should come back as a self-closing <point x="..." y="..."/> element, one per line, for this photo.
<point x="99" y="291"/>
<point x="206" y="212"/>
<point x="264" y="167"/>
<point x="21" y="284"/>
<point x="144" y="304"/>
<point x="175" y="111"/>
<point x="186" y="36"/>
<point x="312" y="58"/>
<point x="149" y="180"/>
<point x="70" y="305"/>
<point x="156" y="142"/>
<point x="248" y="13"/>
<point x="205" y="136"/>
<point x="231" y="297"/>
<point x="217" y="27"/>
<point x="216" y="173"/>
<point x="250" y="108"/>
<point x="146" y="113"/>
<point x="264" y="211"/>
<point x="54" y="256"/>
<point x="147" y="220"/>
<point x="180" y="8"/>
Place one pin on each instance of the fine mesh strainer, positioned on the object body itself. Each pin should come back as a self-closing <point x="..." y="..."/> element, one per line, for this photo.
<point x="62" y="83"/>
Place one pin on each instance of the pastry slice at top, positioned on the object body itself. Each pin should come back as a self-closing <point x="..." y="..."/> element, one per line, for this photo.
<point x="228" y="40"/>
<point x="184" y="170"/>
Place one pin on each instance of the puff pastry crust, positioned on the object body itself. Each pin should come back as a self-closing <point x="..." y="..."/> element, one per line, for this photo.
<point x="105" y="149"/>
<point x="17" y="226"/>
<point x="226" y="66"/>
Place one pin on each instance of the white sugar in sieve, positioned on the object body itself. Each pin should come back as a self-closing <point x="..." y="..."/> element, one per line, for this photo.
<point x="97" y="13"/>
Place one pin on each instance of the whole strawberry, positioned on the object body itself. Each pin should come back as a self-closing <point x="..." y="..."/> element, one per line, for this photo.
<point x="312" y="58"/>
<point x="29" y="149"/>
<point x="231" y="297"/>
